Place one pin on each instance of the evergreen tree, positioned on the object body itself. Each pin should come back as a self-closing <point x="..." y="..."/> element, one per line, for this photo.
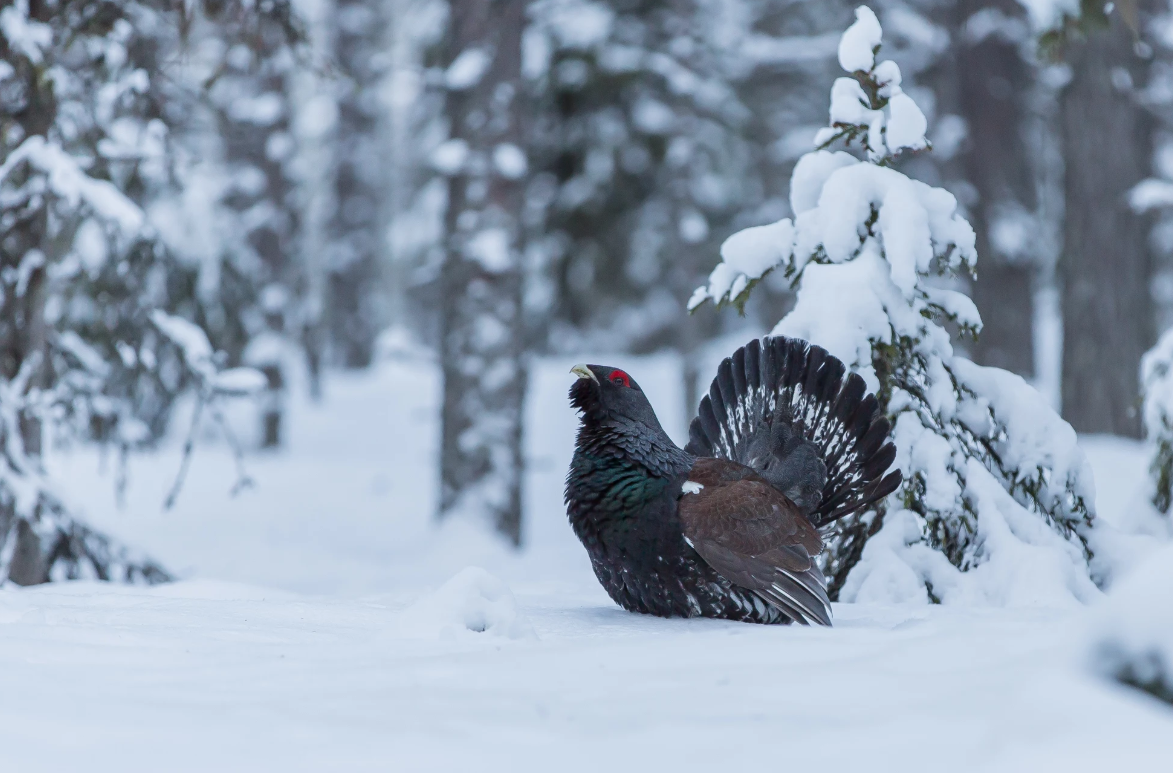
<point x="87" y="284"/>
<point x="993" y="80"/>
<point x="643" y="161"/>
<point x="355" y="235"/>
<point x="992" y="477"/>
<point x="481" y="348"/>
<point x="1156" y="374"/>
<point x="1106" y="263"/>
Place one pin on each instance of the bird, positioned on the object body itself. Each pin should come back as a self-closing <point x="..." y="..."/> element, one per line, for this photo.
<point x="785" y="443"/>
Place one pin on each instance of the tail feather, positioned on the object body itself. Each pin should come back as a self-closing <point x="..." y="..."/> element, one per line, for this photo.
<point x="830" y="407"/>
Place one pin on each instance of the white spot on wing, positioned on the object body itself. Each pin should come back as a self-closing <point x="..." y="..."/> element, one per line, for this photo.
<point x="691" y="487"/>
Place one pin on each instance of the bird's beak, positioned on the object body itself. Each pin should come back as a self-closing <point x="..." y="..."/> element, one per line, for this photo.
<point x="582" y="371"/>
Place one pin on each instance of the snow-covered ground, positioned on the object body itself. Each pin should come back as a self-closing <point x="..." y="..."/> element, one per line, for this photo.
<point x="324" y="623"/>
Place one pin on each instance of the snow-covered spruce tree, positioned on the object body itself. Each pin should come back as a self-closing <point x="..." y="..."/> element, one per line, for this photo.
<point x="248" y="88"/>
<point x="640" y="163"/>
<point x="997" y="500"/>
<point x="356" y="238"/>
<point x="481" y="349"/>
<point x="1156" y="378"/>
<point x="87" y="346"/>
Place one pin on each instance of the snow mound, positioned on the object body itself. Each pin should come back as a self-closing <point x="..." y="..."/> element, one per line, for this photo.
<point x="1131" y="636"/>
<point x="473" y="601"/>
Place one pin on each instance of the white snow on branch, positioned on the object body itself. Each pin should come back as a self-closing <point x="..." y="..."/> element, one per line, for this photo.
<point x="191" y="340"/>
<point x="450" y="156"/>
<point x="491" y="248"/>
<point x="574" y="24"/>
<point x="906" y="124"/>
<point x="23" y="34"/>
<point x="67" y="180"/>
<point x="240" y="381"/>
<point x="1048" y="14"/>
<point x="467" y="69"/>
<point x="1151" y="194"/>
<point x="1156" y="378"/>
<point x="858" y="45"/>
<point x="510" y="161"/>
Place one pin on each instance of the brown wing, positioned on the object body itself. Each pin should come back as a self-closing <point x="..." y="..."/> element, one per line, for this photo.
<point x="755" y="537"/>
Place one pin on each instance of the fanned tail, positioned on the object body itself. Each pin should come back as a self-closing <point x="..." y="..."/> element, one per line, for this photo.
<point x="829" y="408"/>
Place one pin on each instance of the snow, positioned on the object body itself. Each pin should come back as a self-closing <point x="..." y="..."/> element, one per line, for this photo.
<point x="1048" y="14"/>
<point x="240" y="381"/>
<point x="491" y="248"/>
<point x="1156" y="377"/>
<point x="652" y="117"/>
<point x="472" y="602"/>
<point x="70" y="182"/>
<point x="1149" y="194"/>
<point x="858" y="44"/>
<point x="189" y="337"/>
<point x="450" y="156"/>
<point x="1130" y="636"/>
<point x="849" y="103"/>
<point x="326" y="622"/>
<point x="510" y="161"/>
<point x="467" y="69"/>
<point x="575" y="24"/>
<point x="23" y="34"/>
<point x="747" y="255"/>
<point x="906" y="125"/>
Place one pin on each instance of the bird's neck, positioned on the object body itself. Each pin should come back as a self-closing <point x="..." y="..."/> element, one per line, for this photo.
<point x="638" y="444"/>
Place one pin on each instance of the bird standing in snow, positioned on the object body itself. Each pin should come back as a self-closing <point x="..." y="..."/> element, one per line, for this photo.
<point x="727" y="527"/>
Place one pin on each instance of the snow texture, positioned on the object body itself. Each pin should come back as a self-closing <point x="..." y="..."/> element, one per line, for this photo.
<point x="23" y="34"/>
<point x="509" y="161"/>
<point x="450" y="156"/>
<point x="1048" y="14"/>
<point x="1156" y="379"/>
<point x="858" y="45"/>
<point x="1149" y="194"/>
<point x="240" y="381"/>
<point x="191" y="340"/>
<point x="1130" y="636"/>
<point x="67" y="180"/>
<point x="473" y="601"/>
<point x="467" y="69"/>
<point x="290" y="644"/>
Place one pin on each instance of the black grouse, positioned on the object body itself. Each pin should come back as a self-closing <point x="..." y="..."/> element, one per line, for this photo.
<point x="783" y="445"/>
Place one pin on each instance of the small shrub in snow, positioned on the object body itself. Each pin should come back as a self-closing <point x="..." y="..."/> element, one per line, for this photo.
<point x="1131" y="637"/>
<point x="1156" y="378"/>
<point x="473" y="601"/>
<point x="997" y="500"/>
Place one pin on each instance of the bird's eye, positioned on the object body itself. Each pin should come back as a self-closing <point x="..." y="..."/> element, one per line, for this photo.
<point x="619" y="378"/>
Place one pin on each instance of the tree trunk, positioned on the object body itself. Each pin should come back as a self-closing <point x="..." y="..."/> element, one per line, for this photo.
<point x="991" y="83"/>
<point x="480" y="282"/>
<point x="356" y="235"/>
<point x="1105" y="265"/>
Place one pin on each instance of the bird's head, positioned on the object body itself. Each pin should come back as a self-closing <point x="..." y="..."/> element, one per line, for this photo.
<point x="602" y="393"/>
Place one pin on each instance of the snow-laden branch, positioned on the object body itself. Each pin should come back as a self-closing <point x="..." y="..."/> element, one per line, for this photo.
<point x="70" y="182"/>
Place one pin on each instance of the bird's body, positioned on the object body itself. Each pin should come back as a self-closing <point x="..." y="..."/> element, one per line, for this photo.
<point x="624" y="511"/>
<point x="681" y="533"/>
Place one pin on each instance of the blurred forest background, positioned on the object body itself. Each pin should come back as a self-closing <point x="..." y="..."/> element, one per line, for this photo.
<point x="323" y="183"/>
